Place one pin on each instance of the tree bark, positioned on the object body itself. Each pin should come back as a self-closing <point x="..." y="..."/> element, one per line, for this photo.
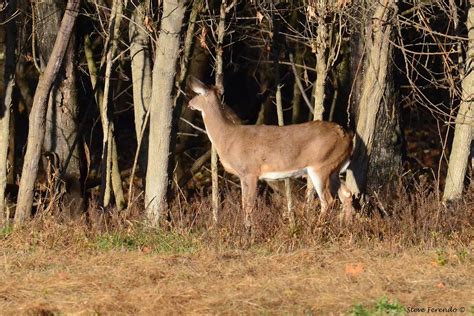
<point x="189" y="40"/>
<point x="38" y="112"/>
<point x="297" y="96"/>
<point x="141" y="77"/>
<point x="377" y="154"/>
<point x="461" y="147"/>
<point x="320" y="83"/>
<point x="289" y="198"/>
<point x="111" y="179"/>
<point x="9" y="34"/>
<point x="219" y="65"/>
<point x="63" y="108"/>
<point x="321" y="62"/>
<point x="161" y="109"/>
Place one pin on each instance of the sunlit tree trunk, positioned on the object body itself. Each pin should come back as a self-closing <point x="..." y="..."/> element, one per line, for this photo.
<point x="321" y="62"/>
<point x="461" y="147"/>
<point x="189" y="39"/>
<point x="111" y="179"/>
<point x="319" y="94"/>
<point x="63" y="108"/>
<point x="377" y="154"/>
<point x="140" y="56"/>
<point x="161" y="109"/>
<point x="219" y="66"/>
<point x="38" y="114"/>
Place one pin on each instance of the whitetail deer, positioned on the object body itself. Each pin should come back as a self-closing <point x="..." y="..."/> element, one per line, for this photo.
<point x="320" y="149"/>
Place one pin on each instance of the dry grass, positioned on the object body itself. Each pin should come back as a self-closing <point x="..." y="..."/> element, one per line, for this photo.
<point x="413" y="250"/>
<point x="313" y="280"/>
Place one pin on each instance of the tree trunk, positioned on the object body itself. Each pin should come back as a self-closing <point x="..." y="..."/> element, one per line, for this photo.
<point x="161" y="108"/>
<point x="461" y="147"/>
<point x="115" y="181"/>
<point x="141" y="77"/>
<point x="279" y="107"/>
<point x="321" y="62"/>
<point x="38" y="113"/>
<point x="111" y="179"/>
<point x="189" y="40"/>
<point x="377" y="154"/>
<point x="219" y="66"/>
<point x="289" y="198"/>
<point x="297" y="71"/>
<point x="297" y="96"/>
<point x="8" y="82"/>
<point x="61" y="117"/>
<point x="320" y="83"/>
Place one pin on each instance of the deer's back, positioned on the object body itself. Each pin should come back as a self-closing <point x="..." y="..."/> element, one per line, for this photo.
<point x="264" y="148"/>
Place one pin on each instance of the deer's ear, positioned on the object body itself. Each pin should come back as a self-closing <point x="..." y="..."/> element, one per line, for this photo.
<point x="197" y="86"/>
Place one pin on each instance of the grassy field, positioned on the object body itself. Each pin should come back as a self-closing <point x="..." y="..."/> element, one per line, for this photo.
<point x="417" y="257"/>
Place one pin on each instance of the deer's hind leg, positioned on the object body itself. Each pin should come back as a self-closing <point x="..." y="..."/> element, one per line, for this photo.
<point x="249" y="195"/>
<point x="322" y="184"/>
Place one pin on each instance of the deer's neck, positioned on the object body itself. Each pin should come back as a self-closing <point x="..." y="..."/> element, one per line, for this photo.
<point x="217" y="125"/>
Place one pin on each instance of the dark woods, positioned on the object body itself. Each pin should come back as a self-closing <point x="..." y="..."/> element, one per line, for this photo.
<point x="94" y="96"/>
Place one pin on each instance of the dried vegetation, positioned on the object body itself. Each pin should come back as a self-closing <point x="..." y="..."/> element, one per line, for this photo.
<point x="414" y="250"/>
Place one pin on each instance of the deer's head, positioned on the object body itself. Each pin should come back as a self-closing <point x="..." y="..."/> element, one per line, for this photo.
<point x="205" y="95"/>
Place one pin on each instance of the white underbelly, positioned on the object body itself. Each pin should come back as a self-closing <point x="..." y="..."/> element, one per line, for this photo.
<point x="277" y="175"/>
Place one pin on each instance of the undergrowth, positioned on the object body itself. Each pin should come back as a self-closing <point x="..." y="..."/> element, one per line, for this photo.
<point x="156" y="241"/>
<point x="395" y="220"/>
<point x="402" y="249"/>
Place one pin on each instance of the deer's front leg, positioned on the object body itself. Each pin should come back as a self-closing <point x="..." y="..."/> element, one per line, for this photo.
<point x="345" y="195"/>
<point x="249" y="194"/>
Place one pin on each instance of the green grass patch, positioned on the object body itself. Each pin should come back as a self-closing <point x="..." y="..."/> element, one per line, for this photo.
<point x="5" y="231"/>
<point x="441" y="257"/>
<point x="382" y="306"/>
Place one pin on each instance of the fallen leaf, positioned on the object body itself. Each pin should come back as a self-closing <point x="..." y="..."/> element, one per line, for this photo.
<point x="354" y="269"/>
